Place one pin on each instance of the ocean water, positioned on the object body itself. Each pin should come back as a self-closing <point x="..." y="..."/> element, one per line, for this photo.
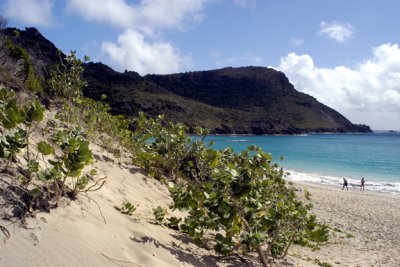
<point x="326" y="158"/>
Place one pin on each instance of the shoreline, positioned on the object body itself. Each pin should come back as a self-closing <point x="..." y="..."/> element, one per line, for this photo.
<point x="365" y="227"/>
<point x="352" y="189"/>
<point x="347" y="155"/>
<point x="382" y="187"/>
<point x="300" y="134"/>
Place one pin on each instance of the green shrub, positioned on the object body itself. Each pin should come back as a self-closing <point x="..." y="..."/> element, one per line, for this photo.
<point x="65" y="166"/>
<point x="241" y="196"/>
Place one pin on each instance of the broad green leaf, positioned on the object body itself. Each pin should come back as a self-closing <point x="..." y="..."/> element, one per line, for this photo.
<point x="214" y="163"/>
<point x="33" y="166"/>
<point x="44" y="148"/>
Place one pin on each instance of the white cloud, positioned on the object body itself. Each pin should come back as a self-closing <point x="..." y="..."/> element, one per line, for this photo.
<point x="296" y="41"/>
<point x="32" y="12"/>
<point x="146" y="16"/>
<point x="116" y="12"/>
<point x="172" y="13"/>
<point x="338" y="31"/>
<point x="373" y="87"/>
<point x="139" y="47"/>
<point x="134" y="52"/>
<point x="245" y="3"/>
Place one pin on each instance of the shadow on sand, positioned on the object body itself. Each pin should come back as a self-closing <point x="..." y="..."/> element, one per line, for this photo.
<point x="190" y="257"/>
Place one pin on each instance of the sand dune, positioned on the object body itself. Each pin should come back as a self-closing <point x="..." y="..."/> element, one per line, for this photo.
<point x="92" y="232"/>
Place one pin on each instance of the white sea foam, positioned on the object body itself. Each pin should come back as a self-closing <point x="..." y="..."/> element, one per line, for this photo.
<point x="240" y="140"/>
<point x="387" y="187"/>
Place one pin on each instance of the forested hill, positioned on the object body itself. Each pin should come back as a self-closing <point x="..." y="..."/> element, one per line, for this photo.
<point x="247" y="100"/>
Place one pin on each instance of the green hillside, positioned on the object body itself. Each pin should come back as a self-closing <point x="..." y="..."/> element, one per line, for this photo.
<point x="246" y="100"/>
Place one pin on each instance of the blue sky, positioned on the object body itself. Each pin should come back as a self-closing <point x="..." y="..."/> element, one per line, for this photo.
<point x="343" y="52"/>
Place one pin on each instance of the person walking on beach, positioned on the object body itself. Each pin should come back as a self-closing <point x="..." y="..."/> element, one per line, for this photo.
<point x="345" y="184"/>
<point x="362" y="184"/>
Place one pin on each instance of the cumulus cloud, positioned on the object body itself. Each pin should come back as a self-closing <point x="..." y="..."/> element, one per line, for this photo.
<point x="134" y="52"/>
<point x="116" y="12"/>
<point x="139" y="47"/>
<point x="146" y="16"/>
<point x="338" y="31"/>
<point x="373" y="87"/>
<point x="31" y="12"/>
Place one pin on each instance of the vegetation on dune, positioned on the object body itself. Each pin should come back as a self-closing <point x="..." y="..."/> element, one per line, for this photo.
<point x="127" y="208"/>
<point x="234" y="202"/>
<point x="66" y="84"/>
<point x="241" y="197"/>
<point x="37" y="173"/>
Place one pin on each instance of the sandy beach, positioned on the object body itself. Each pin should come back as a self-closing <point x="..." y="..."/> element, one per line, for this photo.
<point x="92" y="232"/>
<point x="367" y="227"/>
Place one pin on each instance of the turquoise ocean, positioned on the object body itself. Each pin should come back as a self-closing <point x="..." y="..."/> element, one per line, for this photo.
<point x="326" y="158"/>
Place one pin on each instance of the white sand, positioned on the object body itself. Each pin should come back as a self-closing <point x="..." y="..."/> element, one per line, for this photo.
<point x="77" y="235"/>
<point x="370" y="223"/>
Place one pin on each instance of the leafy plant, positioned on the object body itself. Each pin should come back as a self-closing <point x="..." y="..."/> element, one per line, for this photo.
<point x="66" y="83"/>
<point x="12" y="115"/>
<point x="45" y="148"/>
<point x="173" y="222"/>
<point x="18" y="120"/>
<point x="33" y="166"/>
<point x="34" y="112"/>
<point x="66" y="78"/>
<point x="243" y="197"/>
<point x="112" y="130"/>
<point x="12" y="142"/>
<point x="128" y="208"/>
<point x="75" y="156"/>
<point x="160" y="150"/>
<point x="159" y="214"/>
